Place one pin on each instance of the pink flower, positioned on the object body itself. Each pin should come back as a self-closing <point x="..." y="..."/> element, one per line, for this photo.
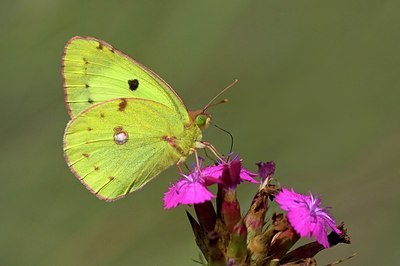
<point x="191" y="189"/>
<point x="306" y="215"/>
<point x="237" y="173"/>
<point x="266" y="170"/>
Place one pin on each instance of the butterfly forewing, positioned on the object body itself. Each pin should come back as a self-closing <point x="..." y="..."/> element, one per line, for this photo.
<point x="94" y="71"/>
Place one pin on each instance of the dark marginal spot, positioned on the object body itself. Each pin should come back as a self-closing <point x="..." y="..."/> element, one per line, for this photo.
<point x="100" y="47"/>
<point x="86" y="86"/>
<point x="90" y="101"/>
<point x="122" y="105"/>
<point x="89" y="129"/>
<point x="112" y="50"/>
<point x="102" y="115"/>
<point x="133" y="84"/>
<point x="86" y="155"/>
<point x="111" y="178"/>
<point x="96" y="168"/>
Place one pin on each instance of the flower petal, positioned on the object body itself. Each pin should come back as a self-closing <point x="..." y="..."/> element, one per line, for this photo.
<point x="246" y="175"/>
<point x="186" y="192"/>
<point x="266" y="170"/>
<point x="306" y="215"/>
<point x="194" y="193"/>
<point x="172" y="196"/>
<point x="213" y="171"/>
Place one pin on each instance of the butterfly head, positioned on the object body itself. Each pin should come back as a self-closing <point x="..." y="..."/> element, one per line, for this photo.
<point x="200" y="118"/>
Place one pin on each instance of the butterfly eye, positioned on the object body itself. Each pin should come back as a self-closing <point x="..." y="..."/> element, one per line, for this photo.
<point x="203" y="120"/>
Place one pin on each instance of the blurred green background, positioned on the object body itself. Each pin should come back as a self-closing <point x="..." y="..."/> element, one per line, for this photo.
<point x="318" y="93"/>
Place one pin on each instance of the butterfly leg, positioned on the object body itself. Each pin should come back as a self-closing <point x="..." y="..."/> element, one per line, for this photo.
<point x="196" y="154"/>
<point x="178" y="164"/>
<point x="213" y="150"/>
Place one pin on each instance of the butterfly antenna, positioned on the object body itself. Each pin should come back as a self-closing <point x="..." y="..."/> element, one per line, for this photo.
<point x="210" y="103"/>
<point x="229" y="133"/>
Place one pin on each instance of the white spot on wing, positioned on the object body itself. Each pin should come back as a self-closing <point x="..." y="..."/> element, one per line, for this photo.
<point x="120" y="136"/>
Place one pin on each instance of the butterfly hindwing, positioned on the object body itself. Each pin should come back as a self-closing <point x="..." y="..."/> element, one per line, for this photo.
<point x="117" y="146"/>
<point x="94" y="71"/>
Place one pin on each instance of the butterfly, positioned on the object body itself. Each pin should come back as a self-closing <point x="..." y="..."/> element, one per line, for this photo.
<point x="127" y="124"/>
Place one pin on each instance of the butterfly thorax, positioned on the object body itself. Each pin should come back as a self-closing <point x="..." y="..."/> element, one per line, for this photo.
<point x="185" y="143"/>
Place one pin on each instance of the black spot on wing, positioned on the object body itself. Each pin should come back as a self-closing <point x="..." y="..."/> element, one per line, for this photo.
<point x="133" y="84"/>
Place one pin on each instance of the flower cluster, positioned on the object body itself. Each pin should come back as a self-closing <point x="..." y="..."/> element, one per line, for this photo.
<point x="192" y="188"/>
<point x="226" y="237"/>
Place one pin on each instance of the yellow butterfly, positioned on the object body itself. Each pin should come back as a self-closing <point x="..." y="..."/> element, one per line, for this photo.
<point x="128" y="124"/>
